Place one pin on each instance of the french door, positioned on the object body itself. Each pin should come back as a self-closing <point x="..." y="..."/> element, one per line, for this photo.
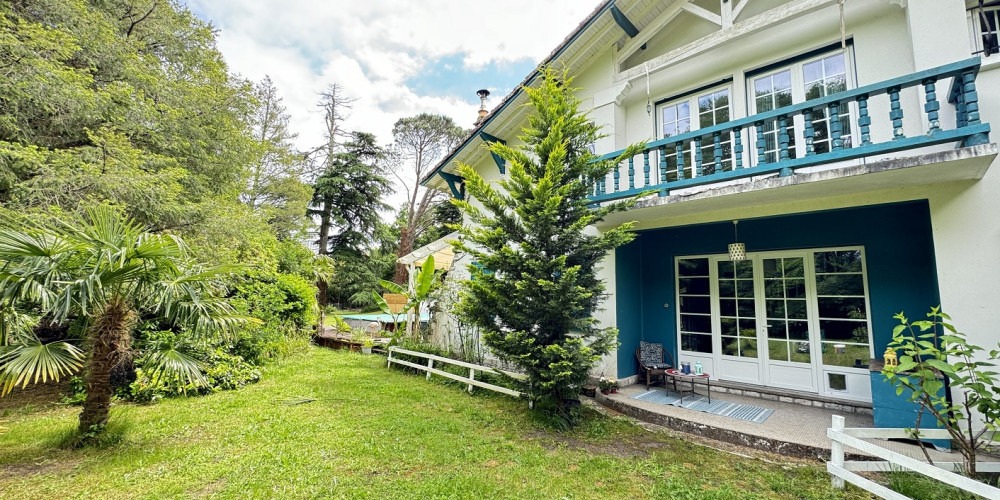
<point x="793" y="319"/>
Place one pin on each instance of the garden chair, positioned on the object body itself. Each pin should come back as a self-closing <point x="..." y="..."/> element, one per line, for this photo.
<point x="653" y="362"/>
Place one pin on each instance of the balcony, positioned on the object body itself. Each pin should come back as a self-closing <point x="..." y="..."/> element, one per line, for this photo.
<point x="765" y="143"/>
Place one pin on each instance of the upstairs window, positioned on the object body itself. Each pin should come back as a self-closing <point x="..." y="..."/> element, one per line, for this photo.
<point x="808" y="78"/>
<point x="694" y="111"/>
<point x="986" y="22"/>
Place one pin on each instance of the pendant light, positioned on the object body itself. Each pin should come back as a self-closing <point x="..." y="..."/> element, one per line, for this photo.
<point x="737" y="250"/>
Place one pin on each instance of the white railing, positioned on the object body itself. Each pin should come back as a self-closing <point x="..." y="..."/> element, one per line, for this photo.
<point x="942" y="471"/>
<point x="470" y="380"/>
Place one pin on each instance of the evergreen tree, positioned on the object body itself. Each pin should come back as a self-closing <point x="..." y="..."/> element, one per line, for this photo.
<point x="534" y="285"/>
<point x="347" y="199"/>
<point x="349" y="194"/>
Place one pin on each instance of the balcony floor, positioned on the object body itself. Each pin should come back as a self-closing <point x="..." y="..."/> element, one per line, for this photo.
<point x="793" y="429"/>
<point x="927" y="169"/>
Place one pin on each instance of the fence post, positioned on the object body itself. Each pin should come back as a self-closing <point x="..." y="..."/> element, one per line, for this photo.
<point x="472" y="376"/>
<point x="388" y="363"/>
<point x="430" y="364"/>
<point x="837" y="450"/>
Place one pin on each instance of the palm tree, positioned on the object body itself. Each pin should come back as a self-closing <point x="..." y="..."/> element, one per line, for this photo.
<point x="102" y="271"/>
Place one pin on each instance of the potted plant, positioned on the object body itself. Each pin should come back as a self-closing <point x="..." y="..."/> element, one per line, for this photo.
<point x="608" y="385"/>
<point x="366" y="344"/>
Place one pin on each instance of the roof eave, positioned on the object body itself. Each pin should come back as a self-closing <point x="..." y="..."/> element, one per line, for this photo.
<point x="528" y="80"/>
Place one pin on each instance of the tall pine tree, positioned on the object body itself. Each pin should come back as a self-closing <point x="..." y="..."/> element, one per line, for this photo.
<point x="534" y="285"/>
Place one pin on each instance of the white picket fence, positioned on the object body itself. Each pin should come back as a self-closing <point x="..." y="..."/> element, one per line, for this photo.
<point x="942" y="471"/>
<point x="470" y="380"/>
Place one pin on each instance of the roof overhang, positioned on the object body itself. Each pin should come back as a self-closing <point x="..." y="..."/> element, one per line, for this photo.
<point x="441" y="250"/>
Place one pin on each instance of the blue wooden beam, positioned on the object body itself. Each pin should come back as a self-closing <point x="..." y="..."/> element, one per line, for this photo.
<point x="623" y="22"/>
<point x="487" y="138"/>
<point x="455" y="182"/>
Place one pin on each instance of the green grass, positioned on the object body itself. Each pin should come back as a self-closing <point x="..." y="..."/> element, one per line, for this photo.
<point x="371" y="433"/>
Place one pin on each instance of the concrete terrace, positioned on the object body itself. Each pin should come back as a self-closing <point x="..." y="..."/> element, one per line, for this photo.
<point x="794" y="429"/>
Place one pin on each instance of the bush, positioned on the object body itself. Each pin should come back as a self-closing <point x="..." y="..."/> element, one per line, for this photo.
<point x="223" y="371"/>
<point x="285" y="303"/>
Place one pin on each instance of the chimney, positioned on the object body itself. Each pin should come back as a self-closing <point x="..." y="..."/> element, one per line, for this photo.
<point x="483" y="94"/>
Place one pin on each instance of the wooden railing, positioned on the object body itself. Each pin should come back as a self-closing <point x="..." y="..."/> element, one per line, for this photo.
<point x="470" y="380"/>
<point x="679" y="161"/>
<point x="843" y="470"/>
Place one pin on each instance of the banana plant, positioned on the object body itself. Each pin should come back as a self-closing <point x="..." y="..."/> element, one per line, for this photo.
<point x="423" y="285"/>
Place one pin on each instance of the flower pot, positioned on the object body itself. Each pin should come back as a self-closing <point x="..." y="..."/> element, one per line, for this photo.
<point x="614" y="391"/>
<point x="366" y="350"/>
<point x="605" y="391"/>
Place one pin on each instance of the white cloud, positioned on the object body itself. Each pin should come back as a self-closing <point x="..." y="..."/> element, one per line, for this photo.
<point x="371" y="47"/>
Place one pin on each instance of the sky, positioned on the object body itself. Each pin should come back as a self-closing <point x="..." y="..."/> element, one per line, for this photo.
<point x="396" y="58"/>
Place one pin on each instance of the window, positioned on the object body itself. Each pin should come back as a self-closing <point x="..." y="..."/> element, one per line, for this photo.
<point x="810" y="78"/>
<point x="843" y="316"/>
<point x="737" y="308"/>
<point x="694" y="305"/>
<point x="771" y="92"/>
<point x="809" y="306"/>
<point x="986" y="21"/>
<point x="711" y="107"/>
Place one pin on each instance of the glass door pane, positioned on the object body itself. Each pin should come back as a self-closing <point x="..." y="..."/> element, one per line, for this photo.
<point x="843" y="313"/>
<point x="785" y="310"/>
<point x="772" y="92"/>
<point x="737" y="308"/>
<point x="821" y="78"/>
<point x="713" y="109"/>
<point x="694" y="305"/>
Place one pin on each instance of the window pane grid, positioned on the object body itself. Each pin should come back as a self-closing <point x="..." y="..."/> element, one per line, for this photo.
<point x="787" y="327"/>
<point x="843" y="323"/>
<point x="694" y="304"/>
<point x="737" y="304"/>
<point x="989" y="21"/>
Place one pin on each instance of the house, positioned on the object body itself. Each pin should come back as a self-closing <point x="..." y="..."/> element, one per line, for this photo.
<point x="845" y="144"/>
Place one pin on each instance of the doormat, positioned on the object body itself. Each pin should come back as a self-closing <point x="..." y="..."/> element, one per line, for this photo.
<point x="698" y="402"/>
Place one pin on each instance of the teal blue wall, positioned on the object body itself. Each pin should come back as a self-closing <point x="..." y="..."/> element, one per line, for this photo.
<point x="899" y="254"/>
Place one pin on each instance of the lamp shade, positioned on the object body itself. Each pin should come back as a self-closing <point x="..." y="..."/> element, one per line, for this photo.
<point x="737" y="251"/>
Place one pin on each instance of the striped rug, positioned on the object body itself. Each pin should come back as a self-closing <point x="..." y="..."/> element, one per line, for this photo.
<point x="698" y="402"/>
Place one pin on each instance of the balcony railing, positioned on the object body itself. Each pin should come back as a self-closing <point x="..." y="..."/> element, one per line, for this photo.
<point x="680" y="161"/>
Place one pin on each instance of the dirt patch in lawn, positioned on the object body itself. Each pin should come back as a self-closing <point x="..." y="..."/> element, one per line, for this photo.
<point x="43" y="467"/>
<point x="33" y="397"/>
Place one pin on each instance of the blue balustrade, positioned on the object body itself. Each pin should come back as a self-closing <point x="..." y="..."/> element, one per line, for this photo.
<point x="687" y="148"/>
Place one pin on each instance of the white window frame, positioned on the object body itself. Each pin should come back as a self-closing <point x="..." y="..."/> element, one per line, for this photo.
<point x="694" y="119"/>
<point x="821" y="371"/>
<point x="797" y="126"/>
<point x="976" y="31"/>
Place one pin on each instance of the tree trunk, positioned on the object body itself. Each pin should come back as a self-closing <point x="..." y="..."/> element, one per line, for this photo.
<point x="321" y="301"/>
<point x="405" y="247"/>
<point x="110" y="336"/>
<point x="324" y="231"/>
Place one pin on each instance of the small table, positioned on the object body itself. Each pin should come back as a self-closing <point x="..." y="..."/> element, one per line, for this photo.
<point x="675" y="374"/>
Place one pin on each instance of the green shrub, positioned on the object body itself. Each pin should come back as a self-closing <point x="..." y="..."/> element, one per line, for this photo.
<point x="285" y="303"/>
<point x="223" y="371"/>
<point x="76" y="392"/>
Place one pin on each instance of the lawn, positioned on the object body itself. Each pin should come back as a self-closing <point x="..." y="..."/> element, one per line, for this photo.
<point x="371" y="433"/>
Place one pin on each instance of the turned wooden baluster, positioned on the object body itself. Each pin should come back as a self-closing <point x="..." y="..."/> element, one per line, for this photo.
<point x="864" y="121"/>
<point x="895" y="114"/>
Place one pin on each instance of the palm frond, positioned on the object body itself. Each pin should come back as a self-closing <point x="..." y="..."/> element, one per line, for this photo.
<point x="171" y="361"/>
<point x="33" y="361"/>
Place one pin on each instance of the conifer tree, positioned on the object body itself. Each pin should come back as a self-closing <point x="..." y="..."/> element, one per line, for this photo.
<point x="534" y="286"/>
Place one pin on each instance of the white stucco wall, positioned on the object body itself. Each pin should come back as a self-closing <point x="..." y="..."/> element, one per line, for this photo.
<point x="891" y="38"/>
